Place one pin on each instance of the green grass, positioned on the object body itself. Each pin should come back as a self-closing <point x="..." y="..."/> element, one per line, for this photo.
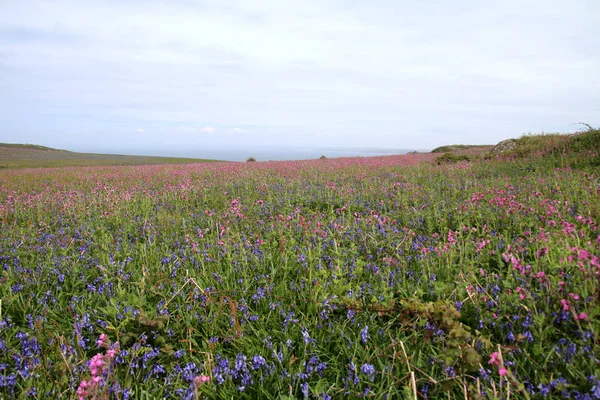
<point x="351" y="278"/>
<point x="35" y="156"/>
<point x="455" y="147"/>
<point x="27" y="146"/>
<point x="579" y="150"/>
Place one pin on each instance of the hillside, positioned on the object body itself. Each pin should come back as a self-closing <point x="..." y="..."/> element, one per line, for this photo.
<point x="15" y="155"/>
<point x="580" y="149"/>
<point x="463" y="148"/>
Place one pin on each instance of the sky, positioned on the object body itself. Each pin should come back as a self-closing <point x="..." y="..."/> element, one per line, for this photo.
<point x="186" y="77"/>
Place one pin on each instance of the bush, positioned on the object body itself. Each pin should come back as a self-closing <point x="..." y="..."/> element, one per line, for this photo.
<point x="251" y="159"/>
<point x="454" y="147"/>
<point x="451" y="158"/>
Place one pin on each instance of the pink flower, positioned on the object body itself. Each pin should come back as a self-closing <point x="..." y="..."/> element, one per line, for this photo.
<point x="81" y="390"/>
<point x="583" y="255"/>
<point x="103" y="341"/>
<point x="502" y="371"/>
<point x="494" y="358"/>
<point x="110" y="353"/>
<point x="582" y="316"/>
<point x="97" y="365"/>
<point x="200" y="379"/>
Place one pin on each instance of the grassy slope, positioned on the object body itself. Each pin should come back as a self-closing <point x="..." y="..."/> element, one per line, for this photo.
<point x="461" y="147"/>
<point x="579" y="150"/>
<point x="33" y="156"/>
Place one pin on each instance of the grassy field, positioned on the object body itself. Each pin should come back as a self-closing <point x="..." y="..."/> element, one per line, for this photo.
<point x="35" y="156"/>
<point x="380" y="278"/>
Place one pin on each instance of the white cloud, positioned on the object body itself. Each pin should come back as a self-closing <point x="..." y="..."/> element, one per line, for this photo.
<point x="208" y="129"/>
<point x="141" y="130"/>
<point x="187" y="129"/>
<point x="311" y="72"/>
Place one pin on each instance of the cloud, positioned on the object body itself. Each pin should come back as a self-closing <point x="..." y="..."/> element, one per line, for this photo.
<point x="208" y="129"/>
<point x="313" y="74"/>
<point x="187" y="129"/>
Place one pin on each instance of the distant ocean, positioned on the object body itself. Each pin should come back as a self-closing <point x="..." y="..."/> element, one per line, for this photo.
<point x="269" y="154"/>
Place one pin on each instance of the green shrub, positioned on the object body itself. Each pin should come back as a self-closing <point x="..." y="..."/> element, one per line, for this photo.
<point x="451" y="158"/>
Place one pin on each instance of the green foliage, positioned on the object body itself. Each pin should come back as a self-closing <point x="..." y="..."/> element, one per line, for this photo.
<point x="558" y="144"/>
<point x="451" y="158"/>
<point x="455" y="147"/>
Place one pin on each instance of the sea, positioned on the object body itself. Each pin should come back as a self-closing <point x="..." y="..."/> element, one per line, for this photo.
<point x="268" y="153"/>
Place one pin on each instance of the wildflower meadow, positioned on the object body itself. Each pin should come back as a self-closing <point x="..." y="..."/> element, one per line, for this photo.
<point x="380" y="278"/>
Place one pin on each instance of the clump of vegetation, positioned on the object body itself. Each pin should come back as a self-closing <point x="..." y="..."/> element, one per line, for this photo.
<point x="577" y="149"/>
<point x="451" y="158"/>
<point x="323" y="157"/>
<point x="455" y="147"/>
<point x="251" y="159"/>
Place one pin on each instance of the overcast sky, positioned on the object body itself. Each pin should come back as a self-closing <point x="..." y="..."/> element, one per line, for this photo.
<point x="154" y="76"/>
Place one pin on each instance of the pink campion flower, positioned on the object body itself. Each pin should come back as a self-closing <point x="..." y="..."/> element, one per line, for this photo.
<point x="200" y="379"/>
<point x="111" y="353"/>
<point x="574" y="296"/>
<point x="540" y="275"/>
<point x="97" y="365"/>
<point x="82" y="390"/>
<point x="582" y="316"/>
<point x="494" y="358"/>
<point x="583" y="255"/>
<point x="565" y="305"/>
<point x="103" y="341"/>
<point x="502" y="371"/>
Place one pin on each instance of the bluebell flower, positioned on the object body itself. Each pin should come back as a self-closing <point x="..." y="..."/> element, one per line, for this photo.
<point x="258" y="361"/>
<point x="305" y="390"/>
<point x="364" y="334"/>
<point x="368" y="370"/>
<point x="179" y="353"/>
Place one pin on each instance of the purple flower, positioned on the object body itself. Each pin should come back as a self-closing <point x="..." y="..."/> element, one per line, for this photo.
<point x="258" y="361"/>
<point x="369" y="370"/>
<point x="364" y="334"/>
<point x="305" y="391"/>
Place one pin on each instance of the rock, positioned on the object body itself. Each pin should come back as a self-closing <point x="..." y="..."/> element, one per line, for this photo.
<point x="504" y="146"/>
